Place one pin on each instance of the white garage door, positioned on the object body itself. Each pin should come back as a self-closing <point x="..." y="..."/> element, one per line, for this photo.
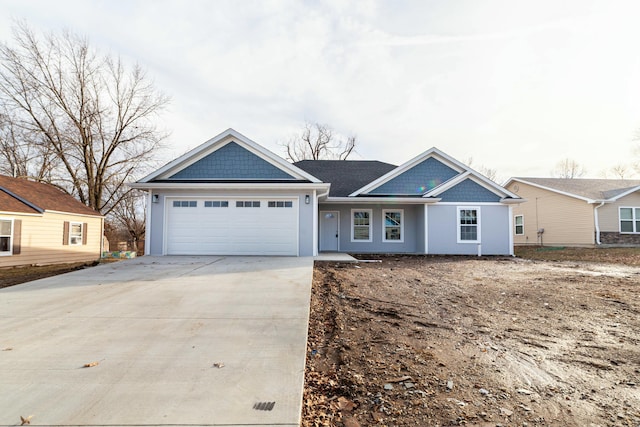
<point x="225" y="226"/>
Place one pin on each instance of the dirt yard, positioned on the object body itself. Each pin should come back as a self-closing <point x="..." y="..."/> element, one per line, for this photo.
<point x="445" y="341"/>
<point x="542" y="340"/>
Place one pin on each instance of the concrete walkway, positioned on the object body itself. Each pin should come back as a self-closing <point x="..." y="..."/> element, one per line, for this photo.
<point x="178" y="340"/>
<point x="334" y="256"/>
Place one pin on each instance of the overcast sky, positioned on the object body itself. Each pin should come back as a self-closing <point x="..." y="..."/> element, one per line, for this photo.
<point x="515" y="85"/>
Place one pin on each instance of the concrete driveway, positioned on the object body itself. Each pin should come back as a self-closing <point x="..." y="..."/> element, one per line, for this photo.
<point x="178" y="341"/>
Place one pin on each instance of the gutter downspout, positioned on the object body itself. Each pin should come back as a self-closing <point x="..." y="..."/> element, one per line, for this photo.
<point x="595" y="218"/>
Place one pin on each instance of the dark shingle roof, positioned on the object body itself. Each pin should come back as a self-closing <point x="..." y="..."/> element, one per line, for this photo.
<point x="345" y="176"/>
<point x="595" y="189"/>
<point x="22" y="195"/>
<point x="9" y="203"/>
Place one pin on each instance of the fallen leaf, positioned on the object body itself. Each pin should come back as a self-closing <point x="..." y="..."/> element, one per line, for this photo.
<point x="351" y="422"/>
<point x="91" y="365"/>
<point x="345" y="404"/>
<point x="24" y="420"/>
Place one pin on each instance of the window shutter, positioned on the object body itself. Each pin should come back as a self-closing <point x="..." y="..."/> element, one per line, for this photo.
<point x="84" y="233"/>
<point x="17" y="234"/>
<point x="65" y="233"/>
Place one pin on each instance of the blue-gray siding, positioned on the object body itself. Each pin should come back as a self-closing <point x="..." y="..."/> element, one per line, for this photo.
<point x="470" y="192"/>
<point x="441" y="229"/>
<point x="494" y="231"/>
<point x="411" y="219"/>
<point x="418" y="180"/>
<point x="231" y="162"/>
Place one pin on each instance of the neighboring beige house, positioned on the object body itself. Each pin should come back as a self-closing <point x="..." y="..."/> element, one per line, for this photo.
<point x="576" y="212"/>
<point x="39" y="224"/>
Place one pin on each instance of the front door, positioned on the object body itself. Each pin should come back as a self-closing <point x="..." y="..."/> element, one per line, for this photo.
<point x="329" y="226"/>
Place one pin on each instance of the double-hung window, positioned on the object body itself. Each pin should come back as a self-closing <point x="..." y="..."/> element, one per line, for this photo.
<point x="468" y="224"/>
<point x="361" y="225"/>
<point x="75" y="233"/>
<point x="519" y="224"/>
<point x="393" y="225"/>
<point x="630" y="220"/>
<point x="6" y="236"/>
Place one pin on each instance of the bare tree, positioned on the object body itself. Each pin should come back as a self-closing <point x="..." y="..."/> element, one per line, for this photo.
<point x="95" y="115"/>
<point x="635" y="165"/>
<point x="21" y="156"/>
<point x="490" y="173"/>
<point x="318" y="142"/>
<point x="620" y="171"/>
<point x="128" y="216"/>
<point x="568" y="168"/>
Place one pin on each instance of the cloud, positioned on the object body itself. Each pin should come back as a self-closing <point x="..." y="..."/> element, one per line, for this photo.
<point x="477" y="79"/>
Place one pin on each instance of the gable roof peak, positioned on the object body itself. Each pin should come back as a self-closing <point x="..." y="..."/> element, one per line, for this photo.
<point x="588" y="189"/>
<point x="458" y="172"/>
<point x="219" y="141"/>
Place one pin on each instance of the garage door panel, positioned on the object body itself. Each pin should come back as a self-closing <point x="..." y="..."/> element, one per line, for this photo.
<point x="233" y="230"/>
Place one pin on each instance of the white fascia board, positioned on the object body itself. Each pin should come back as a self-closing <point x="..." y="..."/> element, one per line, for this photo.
<point x="10" y="213"/>
<point x="380" y="200"/>
<point x="75" y="214"/>
<point x="454" y="164"/>
<point x="478" y="179"/>
<point x="509" y="201"/>
<point x="193" y="152"/>
<point x="219" y="141"/>
<point x="471" y="204"/>
<point x="228" y="186"/>
<point x="564" y="193"/>
<point x="447" y="184"/>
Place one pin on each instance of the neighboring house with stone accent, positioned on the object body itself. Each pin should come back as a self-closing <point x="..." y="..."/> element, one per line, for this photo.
<point x="576" y="212"/>
<point x="40" y="224"/>
<point x="231" y="196"/>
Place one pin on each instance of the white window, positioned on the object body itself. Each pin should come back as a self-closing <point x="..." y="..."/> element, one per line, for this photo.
<point x="361" y="225"/>
<point x="75" y="233"/>
<point x="6" y="236"/>
<point x="393" y="225"/>
<point x="468" y="224"/>
<point x="630" y="220"/>
<point x="519" y="224"/>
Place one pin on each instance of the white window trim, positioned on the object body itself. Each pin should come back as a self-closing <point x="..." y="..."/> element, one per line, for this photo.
<point x="10" y="251"/>
<point x="71" y="224"/>
<point x="384" y="227"/>
<point x="515" y="225"/>
<point x="458" y="225"/>
<point x="370" y="211"/>
<point x="633" y="220"/>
